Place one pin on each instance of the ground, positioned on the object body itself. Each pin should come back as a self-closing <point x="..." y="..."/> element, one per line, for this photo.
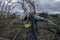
<point x="11" y="26"/>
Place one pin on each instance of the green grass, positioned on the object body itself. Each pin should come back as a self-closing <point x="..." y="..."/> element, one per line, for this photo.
<point x="11" y="29"/>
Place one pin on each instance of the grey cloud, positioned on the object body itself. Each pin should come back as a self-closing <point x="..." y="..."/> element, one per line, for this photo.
<point x="46" y="5"/>
<point x="50" y="6"/>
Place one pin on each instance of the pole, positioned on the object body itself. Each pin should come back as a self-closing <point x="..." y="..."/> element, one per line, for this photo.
<point x="33" y="27"/>
<point x="32" y="31"/>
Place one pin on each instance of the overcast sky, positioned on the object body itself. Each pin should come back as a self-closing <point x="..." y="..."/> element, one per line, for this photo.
<point x="51" y="6"/>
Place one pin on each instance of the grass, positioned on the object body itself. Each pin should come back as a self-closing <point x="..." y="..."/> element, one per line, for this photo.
<point x="9" y="30"/>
